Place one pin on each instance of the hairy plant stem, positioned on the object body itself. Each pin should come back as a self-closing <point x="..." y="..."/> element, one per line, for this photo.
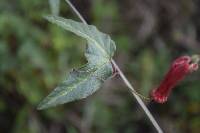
<point x="126" y="81"/>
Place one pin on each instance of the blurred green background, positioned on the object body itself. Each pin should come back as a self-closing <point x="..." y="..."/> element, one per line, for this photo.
<point x="35" y="56"/>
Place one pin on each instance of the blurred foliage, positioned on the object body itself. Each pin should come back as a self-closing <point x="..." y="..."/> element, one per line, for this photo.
<point x="36" y="55"/>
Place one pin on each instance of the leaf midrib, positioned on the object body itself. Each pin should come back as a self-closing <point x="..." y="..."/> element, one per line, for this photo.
<point x="76" y="84"/>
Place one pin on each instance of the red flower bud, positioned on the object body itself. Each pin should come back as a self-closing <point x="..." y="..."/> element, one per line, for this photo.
<point x="178" y="70"/>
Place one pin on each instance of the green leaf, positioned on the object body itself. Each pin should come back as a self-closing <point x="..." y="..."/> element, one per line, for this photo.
<point x="80" y="84"/>
<point x="54" y="6"/>
<point x="87" y="79"/>
<point x="100" y="46"/>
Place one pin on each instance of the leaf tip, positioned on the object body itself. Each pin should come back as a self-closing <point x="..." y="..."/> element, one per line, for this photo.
<point x="46" y="16"/>
<point x="41" y="106"/>
<point x="49" y="17"/>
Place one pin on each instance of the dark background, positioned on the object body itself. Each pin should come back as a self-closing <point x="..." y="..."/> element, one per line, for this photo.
<point x="35" y="56"/>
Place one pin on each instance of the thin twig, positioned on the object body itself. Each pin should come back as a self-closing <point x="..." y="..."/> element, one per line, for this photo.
<point x="144" y="107"/>
<point x="76" y="11"/>
<point x="126" y="81"/>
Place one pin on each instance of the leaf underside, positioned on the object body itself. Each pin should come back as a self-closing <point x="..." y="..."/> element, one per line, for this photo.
<point x="86" y="80"/>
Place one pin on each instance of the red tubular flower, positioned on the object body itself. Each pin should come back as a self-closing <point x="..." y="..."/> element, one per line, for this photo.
<point x="178" y="70"/>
